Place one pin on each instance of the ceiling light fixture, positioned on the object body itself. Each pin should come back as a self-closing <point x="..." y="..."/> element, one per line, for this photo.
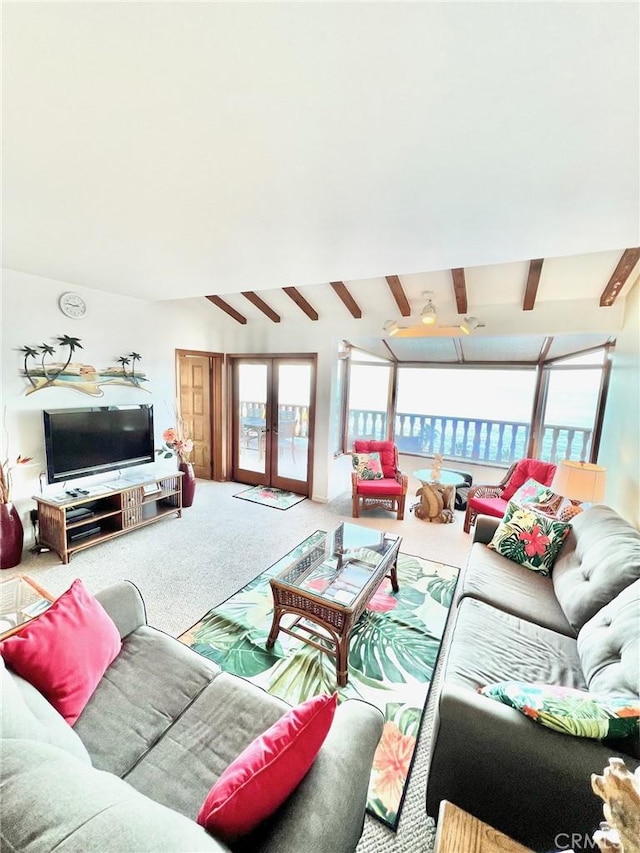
<point x="469" y="325"/>
<point x="428" y="314"/>
<point x="391" y="327"/>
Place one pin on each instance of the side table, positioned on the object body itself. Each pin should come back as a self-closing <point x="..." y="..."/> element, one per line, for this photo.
<point x="459" y="831"/>
<point x="21" y="600"/>
<point x="437" y="497"/>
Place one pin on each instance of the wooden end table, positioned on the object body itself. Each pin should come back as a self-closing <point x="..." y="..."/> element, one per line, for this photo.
<point x="458" y="831"/>
<point x="328" y="587"/>
<point x="21" y="600"/>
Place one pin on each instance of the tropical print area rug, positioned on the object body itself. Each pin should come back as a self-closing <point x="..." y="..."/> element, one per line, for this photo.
<point x="277" y="498"/>
<point x="393" y="653"/>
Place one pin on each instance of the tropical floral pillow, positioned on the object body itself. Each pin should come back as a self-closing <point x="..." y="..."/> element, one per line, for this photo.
<point x="574" y="712"/>
<point x="538" y="497"/>
<point x="530" y="539"/>
<point x="367" y="465"/>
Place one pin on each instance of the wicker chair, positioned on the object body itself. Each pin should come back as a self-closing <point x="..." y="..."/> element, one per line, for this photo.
<point x="390" y="492"/>
<point x="493" y="500"/>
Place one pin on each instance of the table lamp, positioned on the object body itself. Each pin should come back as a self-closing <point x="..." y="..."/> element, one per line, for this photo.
<point x="580" y="482"/>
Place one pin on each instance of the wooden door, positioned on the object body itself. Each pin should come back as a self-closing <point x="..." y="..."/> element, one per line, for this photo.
<point x="199" y="379"/>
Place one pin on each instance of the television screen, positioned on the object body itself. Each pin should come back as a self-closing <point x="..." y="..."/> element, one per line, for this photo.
<point x="80" y="442"/>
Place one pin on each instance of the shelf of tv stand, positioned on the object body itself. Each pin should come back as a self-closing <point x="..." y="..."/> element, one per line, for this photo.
<point x="114" y="512"/>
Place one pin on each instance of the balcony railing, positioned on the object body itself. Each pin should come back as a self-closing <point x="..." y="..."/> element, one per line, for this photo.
<point x="470" y="439"/>
<point x="297" y="413"/>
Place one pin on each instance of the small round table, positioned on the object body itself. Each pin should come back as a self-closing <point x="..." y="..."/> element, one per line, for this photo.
<point x="437" y="497"/>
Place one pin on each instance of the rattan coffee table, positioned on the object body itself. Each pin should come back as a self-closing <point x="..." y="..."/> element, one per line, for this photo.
<point x="328" y="587"/>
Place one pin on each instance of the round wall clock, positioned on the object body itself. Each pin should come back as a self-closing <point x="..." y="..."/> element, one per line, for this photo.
<point x="72" y="305"/>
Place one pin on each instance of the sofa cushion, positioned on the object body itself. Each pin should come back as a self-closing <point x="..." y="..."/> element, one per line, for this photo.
<point x="266" y="773"/>
<point x="490" y="645"/>
<point x="609" y="645"/>
<point x="65" y="651"/>
<point x="572" y="712"/>
<point x="491" y="578"/>
<point x="53" y="801"/>
<point x="600" y="557"/>
<point x="529" y="539"/>
<point x="204" y="740"/>
<point x="26" y="714"/>
<point x="148" y="686"/>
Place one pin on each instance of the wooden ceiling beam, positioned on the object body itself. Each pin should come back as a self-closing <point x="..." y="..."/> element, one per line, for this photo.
<point x="301" y="302"/>
<point x="224" y="306"/>
<point x="261" y="305"/>
<point x="399" y="295"/>
<point x="460" y="290"/>
<point x="620" y="275"/>
<point x="533" y="280"/>
<point x="342" y="291"/>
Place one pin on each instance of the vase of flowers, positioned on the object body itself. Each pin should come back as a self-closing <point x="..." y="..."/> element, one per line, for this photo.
<point x="175" y="444"/>
<point x="11" y="530"/>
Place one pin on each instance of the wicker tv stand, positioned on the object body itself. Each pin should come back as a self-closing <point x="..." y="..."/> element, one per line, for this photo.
<point x="68" y="524"/>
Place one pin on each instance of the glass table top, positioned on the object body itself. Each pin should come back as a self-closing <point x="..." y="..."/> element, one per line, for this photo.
<point x="338" y="566"/>
<point x="447" y="478"/>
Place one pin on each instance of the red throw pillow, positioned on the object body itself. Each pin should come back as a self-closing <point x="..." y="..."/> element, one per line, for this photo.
<point x="65" y="651"/>
<point x="268" y="770"/>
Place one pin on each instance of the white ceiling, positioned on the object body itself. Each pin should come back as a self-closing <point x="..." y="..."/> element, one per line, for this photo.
<point x="166" y="150"/>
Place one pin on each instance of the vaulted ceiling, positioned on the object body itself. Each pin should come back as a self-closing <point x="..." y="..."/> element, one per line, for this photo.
<point x="294" y="159"/>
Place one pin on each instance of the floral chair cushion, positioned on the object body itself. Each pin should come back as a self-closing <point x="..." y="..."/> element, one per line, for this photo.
<point x="538" y="497"/>
<point x="367" y="465"/>
<point x="573" y="712"/>
<point x="528" y="538"/>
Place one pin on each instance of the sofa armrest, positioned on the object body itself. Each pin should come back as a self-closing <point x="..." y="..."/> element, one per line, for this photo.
<point x="485" y="527"/>
<point x="522" y="778"/>
<point x="327" y="809"/>
<point x="124" y="604"/>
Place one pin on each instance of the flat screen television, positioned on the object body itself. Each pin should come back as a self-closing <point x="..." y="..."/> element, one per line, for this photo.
<point x="80" y="442"/>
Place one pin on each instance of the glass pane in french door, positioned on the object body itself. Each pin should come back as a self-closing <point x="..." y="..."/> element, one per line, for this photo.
<point x="294" y="397"/>
<point x="252" y="425"/>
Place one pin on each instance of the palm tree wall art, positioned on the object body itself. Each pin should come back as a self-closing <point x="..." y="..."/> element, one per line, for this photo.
<point x="42" y="372"/>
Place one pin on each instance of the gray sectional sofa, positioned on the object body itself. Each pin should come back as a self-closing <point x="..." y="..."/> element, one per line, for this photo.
<point x="578" y="628"/>
<point x="159" y="730"/>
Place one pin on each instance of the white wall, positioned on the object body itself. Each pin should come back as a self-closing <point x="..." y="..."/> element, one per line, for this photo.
<point x="620" y="445"/>
<point x="114" y="326"/>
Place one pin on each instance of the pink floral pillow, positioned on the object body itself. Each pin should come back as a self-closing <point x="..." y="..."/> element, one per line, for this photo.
<point x="538" y="497"/>
<point x="367" y="466"/>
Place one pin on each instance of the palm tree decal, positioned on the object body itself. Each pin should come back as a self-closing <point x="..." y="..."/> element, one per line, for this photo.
<point x="134" y="356"/>
<point x="29" y="352"/>
<point x="45" y="349"/>
<point x="124" y="361"/>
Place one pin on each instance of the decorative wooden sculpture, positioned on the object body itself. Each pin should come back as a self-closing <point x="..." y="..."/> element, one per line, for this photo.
<point x="436" y="468"/>
<point x="620" y="790"/>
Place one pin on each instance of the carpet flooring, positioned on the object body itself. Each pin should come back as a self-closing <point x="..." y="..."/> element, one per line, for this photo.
<point x="393" y="651"/>
<point x="184" y="565"/>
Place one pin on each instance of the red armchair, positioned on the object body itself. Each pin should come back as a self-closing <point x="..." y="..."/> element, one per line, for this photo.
<point x="390" y="492"/>
<point x="493" y="500"/>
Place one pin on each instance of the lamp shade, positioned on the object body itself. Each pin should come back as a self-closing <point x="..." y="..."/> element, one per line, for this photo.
<point x="579" y="481"/>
